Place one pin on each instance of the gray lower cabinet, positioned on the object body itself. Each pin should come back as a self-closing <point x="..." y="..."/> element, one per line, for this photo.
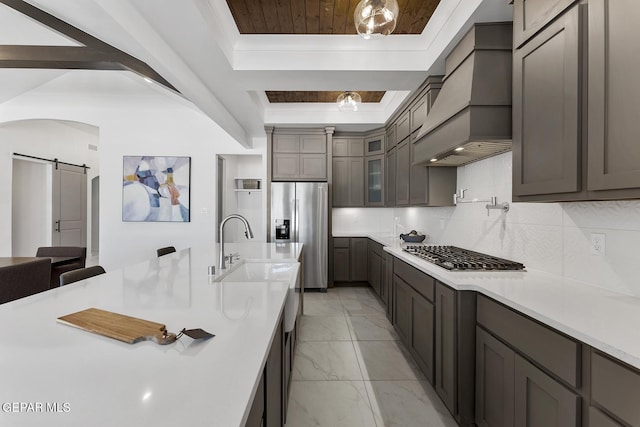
<point x="446" y="357"/>
<point x="615" y="387"/>
<point x="341" y="259"/>
<point x="376" y="267"/>
<point x="494" y="381"/>
<point x="422" y="312"/>
<point x="350" y="259"/>
<point x="526" y="373"/>
<point x="414" y="324"/>
<point x="256" y="414"/>
<point x="267" y="408"/>
<point x="403" y="170"/>
<point x="402" y="309"/>
<point x="387" y="284"/>
<point x="598" y="419"/>
<point x="359" y="252"/>
<point x="348" y="181"/>
<point x="541" y="401"/>
<point x="274" y="381"/>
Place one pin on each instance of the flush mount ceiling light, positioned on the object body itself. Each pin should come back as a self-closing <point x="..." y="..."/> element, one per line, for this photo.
<point x="375" y="17"/>
<point x="348" y="101"/>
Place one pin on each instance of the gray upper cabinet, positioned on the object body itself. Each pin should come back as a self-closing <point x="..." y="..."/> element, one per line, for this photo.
<point x="348" y="181"/>
<point x="575" y="101"/>
<point x="403" y="126"/>
<point x="374" y="145"/>
<point x="374" y="177"/>
<point x="313" y="144"/>
<point x="530" y="16"/>
<point x="299" y="157"/>
<point x="348" y="147"/>
<point x="286" y="166"/>
<point x="390" y="177"/>
<point x="614" y="96"/>
<point x="391" y="136"/>
<point x="546" y="110"/>
<point x="431" y="186"/>
<point x="313" y="166"/>
<point x="403" y="170"/>
<point x="418" y="113"/>
<point x="286" y="144"/>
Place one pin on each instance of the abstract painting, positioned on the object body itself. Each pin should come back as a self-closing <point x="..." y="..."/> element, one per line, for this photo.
<point x="156" y="188"/>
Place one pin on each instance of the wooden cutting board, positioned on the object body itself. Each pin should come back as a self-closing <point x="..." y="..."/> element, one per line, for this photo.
<point x="118" y="326"/>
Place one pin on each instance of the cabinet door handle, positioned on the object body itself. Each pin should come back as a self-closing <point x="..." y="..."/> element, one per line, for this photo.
<point x="58" y="226"/>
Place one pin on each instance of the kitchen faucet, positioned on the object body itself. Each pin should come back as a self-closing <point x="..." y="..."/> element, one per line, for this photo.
<point x="247" y="232"/>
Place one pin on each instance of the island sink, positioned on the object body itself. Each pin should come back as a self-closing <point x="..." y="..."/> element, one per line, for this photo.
<point x="254" y="271"/>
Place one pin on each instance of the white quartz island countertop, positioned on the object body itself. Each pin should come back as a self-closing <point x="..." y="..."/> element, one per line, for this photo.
<point x="70" y="377"/>
<point x="605" y="320"/>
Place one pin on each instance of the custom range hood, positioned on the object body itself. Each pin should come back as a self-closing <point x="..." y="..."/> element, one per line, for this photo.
<point x="471" y="117"/>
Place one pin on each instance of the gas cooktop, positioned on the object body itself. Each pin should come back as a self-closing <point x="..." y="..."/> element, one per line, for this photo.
<point x="458" y="259"/>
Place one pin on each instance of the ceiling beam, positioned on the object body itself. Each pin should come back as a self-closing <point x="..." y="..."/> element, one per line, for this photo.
<point x="94" y="55"/>
<point x="56" y="57"/>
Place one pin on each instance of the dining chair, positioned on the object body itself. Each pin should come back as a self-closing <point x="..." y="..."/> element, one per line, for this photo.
<point x="21" y="280"/>
<point x="80" y="274"/>
<point x="166" y="251"/>
<point x="63" y="251"/>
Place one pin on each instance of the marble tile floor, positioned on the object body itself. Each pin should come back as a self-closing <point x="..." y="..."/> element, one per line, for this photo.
<point x="351" y="370"/>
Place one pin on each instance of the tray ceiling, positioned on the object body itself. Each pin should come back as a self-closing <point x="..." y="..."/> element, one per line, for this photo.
<point x="319" y="16"/>
<point x="318" y="96"/>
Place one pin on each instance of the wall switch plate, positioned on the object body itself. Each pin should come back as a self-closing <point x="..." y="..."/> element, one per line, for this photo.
<point x="598" y="244"/>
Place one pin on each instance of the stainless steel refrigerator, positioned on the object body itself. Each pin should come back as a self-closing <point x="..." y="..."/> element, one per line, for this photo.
<point x="299" y="213"/>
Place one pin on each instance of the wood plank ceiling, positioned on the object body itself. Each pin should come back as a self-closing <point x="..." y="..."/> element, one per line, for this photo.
<point x="327" y="96"/>
<point x="319" y="16"/>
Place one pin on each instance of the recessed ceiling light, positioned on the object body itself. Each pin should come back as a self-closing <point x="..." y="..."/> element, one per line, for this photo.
<point x="459" y="148"/>
<point x="148" y="80"/>
<point x="434" y="160"/>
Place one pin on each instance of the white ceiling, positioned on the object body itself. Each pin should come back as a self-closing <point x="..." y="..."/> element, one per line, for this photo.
<point x="195" y="45"/>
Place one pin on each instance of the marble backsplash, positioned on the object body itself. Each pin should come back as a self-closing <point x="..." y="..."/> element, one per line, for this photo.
<point x="552" y="237"/>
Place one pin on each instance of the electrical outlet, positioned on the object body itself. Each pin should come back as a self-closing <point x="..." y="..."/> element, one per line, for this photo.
<point x="598" y="244"/>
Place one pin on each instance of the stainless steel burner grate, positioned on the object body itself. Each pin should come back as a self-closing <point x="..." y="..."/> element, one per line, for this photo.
<point x="458" y="259"/>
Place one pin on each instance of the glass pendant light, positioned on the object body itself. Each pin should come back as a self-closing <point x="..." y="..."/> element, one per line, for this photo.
<point x="375" y="17"/>
<point x="348" y="101"/>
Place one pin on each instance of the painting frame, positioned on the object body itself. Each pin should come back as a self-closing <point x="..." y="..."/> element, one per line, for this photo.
<point x="156" y="188"/>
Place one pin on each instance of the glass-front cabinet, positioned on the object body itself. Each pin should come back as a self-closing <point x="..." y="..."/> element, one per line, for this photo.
<point x="374" y="145"/>
<point x="374" y="173"/>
